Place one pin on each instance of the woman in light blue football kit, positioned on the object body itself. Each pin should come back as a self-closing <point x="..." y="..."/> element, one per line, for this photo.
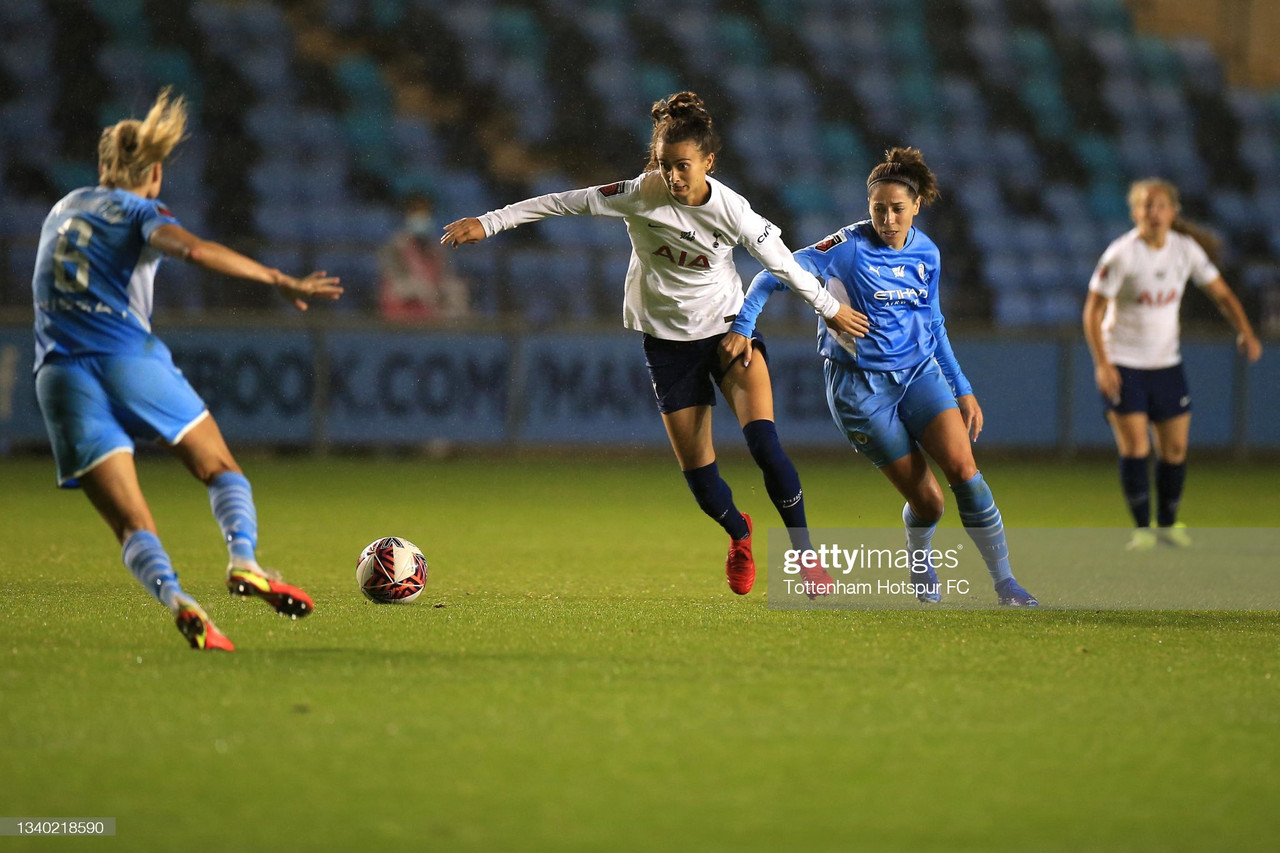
<point x="103" y="379"/>
<point x="899" y="393"/>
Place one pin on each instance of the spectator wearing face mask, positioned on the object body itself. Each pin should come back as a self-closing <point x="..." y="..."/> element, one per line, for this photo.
<point x="416" y="285"/>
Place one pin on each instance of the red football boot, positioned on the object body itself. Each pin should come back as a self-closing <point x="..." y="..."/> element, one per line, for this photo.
<point x="740" y="566"/>
<point x="816" y="580"/>
<point x="287" y="600"/>
<point x="199" y="629"/>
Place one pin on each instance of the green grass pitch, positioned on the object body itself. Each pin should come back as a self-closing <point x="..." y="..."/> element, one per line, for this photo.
<point x="578" y="676"/>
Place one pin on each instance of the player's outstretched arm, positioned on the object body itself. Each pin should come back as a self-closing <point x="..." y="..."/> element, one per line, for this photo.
<point x="467" y="230"/>
<point x="178" y="242"/>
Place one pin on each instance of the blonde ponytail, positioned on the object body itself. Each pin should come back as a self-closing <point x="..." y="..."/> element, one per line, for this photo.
<point x="128" y="149"/>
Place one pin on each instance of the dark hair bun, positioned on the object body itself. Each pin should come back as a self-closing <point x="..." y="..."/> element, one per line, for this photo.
<point x="681" y="106"/>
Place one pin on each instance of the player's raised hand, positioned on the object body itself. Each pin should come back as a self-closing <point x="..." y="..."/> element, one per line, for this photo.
<point x="849" y="322"/>
<point x="461" y="231"/>
<point x="318" y="285"/>
<point x="734" y="345"/>
<point x="972" y="414"/>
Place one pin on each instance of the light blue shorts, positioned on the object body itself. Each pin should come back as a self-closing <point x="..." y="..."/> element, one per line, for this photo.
<point x="883" y="413"/>
<point x="96" y="406"/>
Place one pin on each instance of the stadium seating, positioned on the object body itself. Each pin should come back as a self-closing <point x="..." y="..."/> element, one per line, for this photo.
<point x="312" y="120"/>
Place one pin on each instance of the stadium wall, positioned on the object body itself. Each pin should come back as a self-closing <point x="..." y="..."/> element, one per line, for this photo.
<point x="373" y="387"/>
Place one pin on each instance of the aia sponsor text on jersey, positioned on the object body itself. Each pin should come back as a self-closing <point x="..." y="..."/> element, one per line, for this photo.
<point x="697" y="262"/>
<point x="1157" y="298"/>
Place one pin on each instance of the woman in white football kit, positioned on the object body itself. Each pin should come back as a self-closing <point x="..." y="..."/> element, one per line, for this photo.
<point x="104" y="380"/>
<point x="683" y="292"/>
<point x="1131" y="325"/>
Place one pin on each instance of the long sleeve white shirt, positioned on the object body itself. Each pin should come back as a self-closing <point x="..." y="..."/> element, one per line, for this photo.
<point x="682" y="284"/>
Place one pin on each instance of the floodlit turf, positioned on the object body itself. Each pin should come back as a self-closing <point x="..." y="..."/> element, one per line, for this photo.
<point x="577" y="675"/>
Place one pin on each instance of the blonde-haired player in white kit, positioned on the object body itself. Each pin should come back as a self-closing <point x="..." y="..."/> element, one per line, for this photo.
<point x="1131" y="325"/>
<point x="683" y="292"/>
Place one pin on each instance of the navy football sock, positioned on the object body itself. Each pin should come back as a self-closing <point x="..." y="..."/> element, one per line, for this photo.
<point x="1169" y="480"/>
<point x="781" y="480"/>
<point x="1135" y="481"/>
<point x="716" y="499"/>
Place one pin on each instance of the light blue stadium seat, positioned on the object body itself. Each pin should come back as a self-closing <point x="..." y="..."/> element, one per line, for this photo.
<point x="361" y="79"/>
<point x="1035" y="55"/>
<point x="1116" y="52"/>
<point x="178" y="288"/>
<point x="990" y="44"/>
<point x="1011" y="146"/>
<point x="68" y="175"/>
<point x="518" y="33"/>
<point x="278" y="180"/>
<point x="372" y="223"/>
<point x="1200" y="66"/>
<point x="269" y="72"/>
<point x="1080" y="238"/>
<point x="1066" y="203"/>
<point x="26" y="60"/>
<point x="24" y="17"/>
<point x="358" y="269"/>
<point x="125" y="20"/>
<point x="319" y="134"/>
<point x="1003" y="272"/>
<point x="280" y="223"/>
<point x="415" y="140"/>
<point x="1185" y="166"/>
<point x="1070" y="17"/>
<point x="1099" y="156"/>
<point x="1159" y="62"/>
<point x="1260" y="276"/>
<point x="1232" y="210"/>
<point x="22" y="218"/>
<point x="1110" y="15"/>
<point x="1042" y="95"/>
<point x="25" y="126"/>
<point x="962" y="101"/>
<point x="1107" y="203"/>
<point x="1267" y="199"/>
<point x="1140" y="153"/>
<point x="1060" y="306"/>
<point x="550" y="287"/>
<point x="1015" y="309"/>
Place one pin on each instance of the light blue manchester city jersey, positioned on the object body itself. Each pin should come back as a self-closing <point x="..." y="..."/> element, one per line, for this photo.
<point x="896" y="288"/>
<point x="94" y="274"/>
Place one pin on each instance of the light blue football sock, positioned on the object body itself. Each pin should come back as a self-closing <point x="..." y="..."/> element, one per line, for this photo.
<point x="147" y="561"/>
<point x="231" y="497"/>
<point x="981" y="518"/>
<point x="919" y="535"/>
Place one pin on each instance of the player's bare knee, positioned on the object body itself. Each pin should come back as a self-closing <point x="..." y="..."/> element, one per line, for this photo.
<point x="929" y="507"/>
<point x="206" y="471"/>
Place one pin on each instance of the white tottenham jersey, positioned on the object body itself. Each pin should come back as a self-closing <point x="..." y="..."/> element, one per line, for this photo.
<point x="682" y="284"/>
<point x="1145" y="286"/>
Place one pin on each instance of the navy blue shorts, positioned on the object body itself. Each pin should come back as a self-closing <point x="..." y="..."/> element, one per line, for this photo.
<point x="1161" y="393"/>
<point x="685" y="373"/>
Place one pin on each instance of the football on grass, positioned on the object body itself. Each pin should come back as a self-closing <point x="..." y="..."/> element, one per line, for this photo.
<point x="391" y="570"/>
